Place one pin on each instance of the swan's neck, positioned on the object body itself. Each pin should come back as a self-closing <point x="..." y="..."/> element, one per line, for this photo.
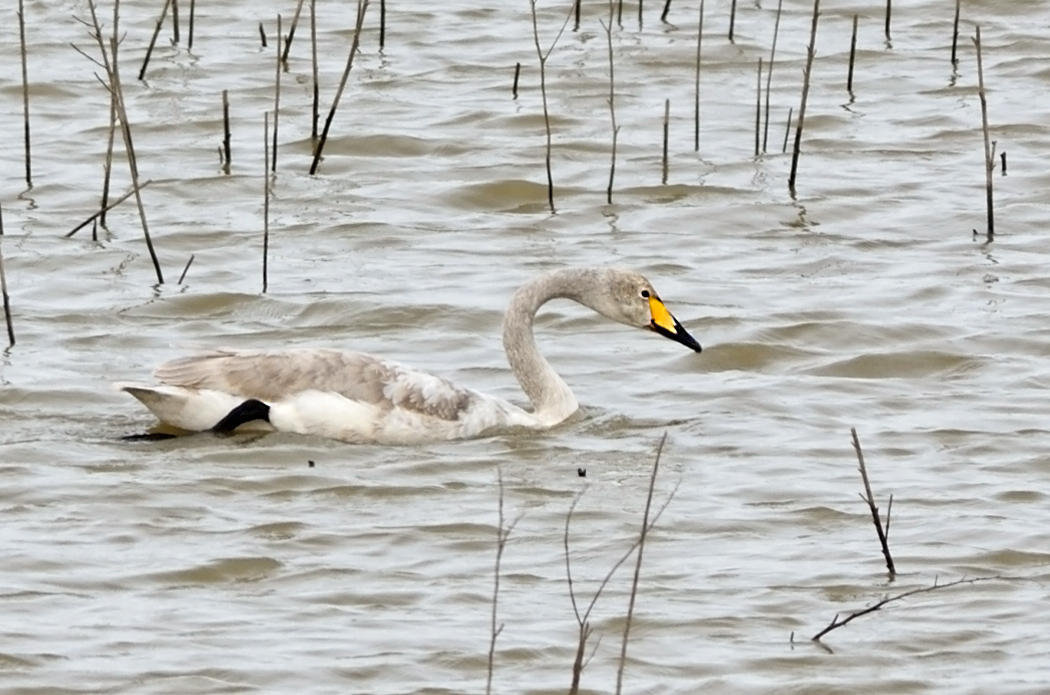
<point x="551" y="397"/>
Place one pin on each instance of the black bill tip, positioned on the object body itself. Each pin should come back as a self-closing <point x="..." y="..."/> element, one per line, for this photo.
<point x="679" y="335"/>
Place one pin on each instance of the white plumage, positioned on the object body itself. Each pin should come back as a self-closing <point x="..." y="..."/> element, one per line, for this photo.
<point x="356" y="397"/>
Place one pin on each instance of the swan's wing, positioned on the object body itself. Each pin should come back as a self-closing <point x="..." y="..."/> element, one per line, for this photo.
<point x="277" y="375"/>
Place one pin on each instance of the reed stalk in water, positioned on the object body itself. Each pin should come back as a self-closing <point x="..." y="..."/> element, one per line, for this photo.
<point x="576" y="13"/>
<point x="266" y="198"/>
<point x="667" y="8"/>
<point x="186" y="269"/>
<point x="889" y="13"/>
<point x="642" y="535"/>
<point x="116" y="91"/>
<point x="291" y="34"/>
<point x="989" y="150"/>
<point x="955" y="32"/>
<point x="25" y="91"/>
<point x="612" y="106"/>
<point x="811" y="51"/>
<point x="175" y="20"/>
<point x="852" y="56"/>
<point x="382" y="24"/>
<point x="226" y="154"/>
<point x="362" y="6"/>
<point x="262" y="35"/>
<point x="276" y="96"/>
<point x="153" y="41"/>
<point x="696" y="93"/>
<point x="667" y="128"/>
<point x="315" y="108"/>
<point x="758" y="110"/>
<point x="3" y="291"/>
<point x="769" y="74"/>
<point x="543" y="56"/>
<point x="732" y="20"/>
<point x="193" y="12"/>
<point x="787" y="130"/>
<point x="883" y="533"/>
<point x="503" y="532"/>
<point x="517" y="75"/>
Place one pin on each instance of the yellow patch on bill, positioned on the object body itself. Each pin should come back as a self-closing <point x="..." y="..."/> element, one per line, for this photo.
<point x="661" y="316"/>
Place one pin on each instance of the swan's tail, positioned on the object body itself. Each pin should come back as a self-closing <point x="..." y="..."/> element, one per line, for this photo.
<point x="188" y="409"/>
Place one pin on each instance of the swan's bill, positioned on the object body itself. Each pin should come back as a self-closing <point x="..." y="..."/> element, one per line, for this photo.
<point x="667" y="325"/>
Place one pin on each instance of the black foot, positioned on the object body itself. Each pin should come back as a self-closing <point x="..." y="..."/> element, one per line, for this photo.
<point x="250" y="410"/>
<point x="148" y="437"/>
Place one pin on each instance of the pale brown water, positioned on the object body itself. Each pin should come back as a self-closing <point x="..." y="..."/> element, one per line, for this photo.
<point x="221" y="565"/>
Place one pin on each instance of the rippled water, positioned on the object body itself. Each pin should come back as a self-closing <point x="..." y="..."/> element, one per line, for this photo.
<point x="216" y="565"/>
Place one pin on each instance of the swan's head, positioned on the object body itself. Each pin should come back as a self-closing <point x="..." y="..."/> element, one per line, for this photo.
<point x="628" y="297"/>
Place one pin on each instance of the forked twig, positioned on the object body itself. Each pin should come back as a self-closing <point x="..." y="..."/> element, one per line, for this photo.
<point x="585" y="629"/>
<point x="836" y="623"/>
<point x="502" y="534"/>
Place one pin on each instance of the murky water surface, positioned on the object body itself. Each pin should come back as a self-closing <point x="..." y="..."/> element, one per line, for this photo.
<point x="219" y="565"/>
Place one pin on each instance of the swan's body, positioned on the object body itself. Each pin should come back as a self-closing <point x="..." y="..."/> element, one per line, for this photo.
<point x="356" y="397"/>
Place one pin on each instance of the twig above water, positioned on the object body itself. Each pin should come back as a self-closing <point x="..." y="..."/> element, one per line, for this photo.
<point x="884" y="534"/>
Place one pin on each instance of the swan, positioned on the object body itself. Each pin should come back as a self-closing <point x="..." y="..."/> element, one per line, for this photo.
<point x="360" y="398"/>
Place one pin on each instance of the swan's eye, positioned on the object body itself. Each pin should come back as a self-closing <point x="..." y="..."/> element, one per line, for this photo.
<point x="645" y="293"/>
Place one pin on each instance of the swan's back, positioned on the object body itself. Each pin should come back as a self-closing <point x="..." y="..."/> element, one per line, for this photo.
<point x="345" y="395"/>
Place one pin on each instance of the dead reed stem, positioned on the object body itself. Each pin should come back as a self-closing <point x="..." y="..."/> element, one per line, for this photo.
<point x="153" y="41"/>
<point x="989" y="149"/>
<point x="852" y="56"/>
<point x="315" y="109"/>
<point x="262" y="35"/>
<point x="836" y="623"/>
<point x="3" y="291"/>
<point x="226" y="154"/>
<point x="667" y="127"/>
<point x="266" y="199"/>
<point x="732" y="20"/>
<point x="382" y="24"/>
<point x="641" y="4"/>
<point x="758" y="110"/>
<point x="619" y="14"/>
<point x="107" y="170"/>
<point x="955" y="31"/>
<point x="362" y="5"/>
<point x="576" y="13"/>
<point x="583" y="620"/>
<point x="667" y="8"/>
<point x="116" y="90"/>
<point x="517" y="75"/>
<point x="643" y="534"/>
<point x="787" y="130"/>
<point x="889" y="13"/>
<point x="25" y="91"/>
<point x="186" y="269"/>
<point x="696" y="93"/>
<point x="193" y="12"/>
<point x="612" y="105"/>
<point x="811" y="51"/>
<point x="502" y="535"/>
<point x="102" y="212"/>
<point x="543" y="56"/>
<point x="769" y="73"/>
<point x="276" y="97"/>
<point x="175" y="20"/>
<point x="884" y="534"/>
<point x="291" y="34"/>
